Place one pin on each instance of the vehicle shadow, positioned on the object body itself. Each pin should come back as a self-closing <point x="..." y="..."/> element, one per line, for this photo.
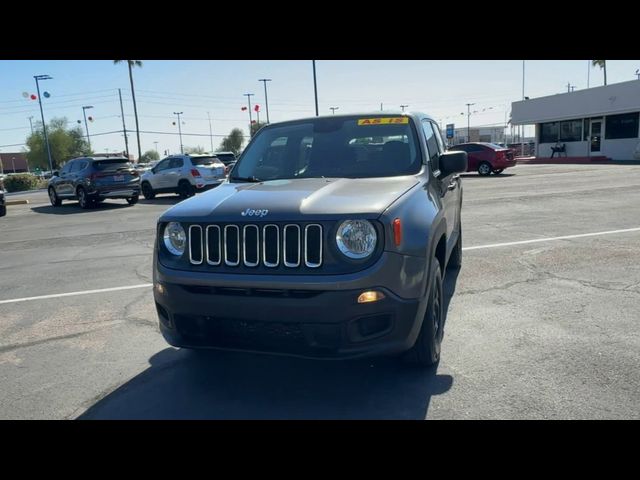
<point x="493" y="175"/>
<point x="73" y="208"/>
<point x="164" y="200"/>
<point x="184" y="384"/>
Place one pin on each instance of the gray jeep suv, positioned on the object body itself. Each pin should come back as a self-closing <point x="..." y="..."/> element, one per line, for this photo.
<point x="329" y="240"/>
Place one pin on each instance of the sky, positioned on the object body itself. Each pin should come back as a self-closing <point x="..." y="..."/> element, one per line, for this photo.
<point x="216" y="88"/>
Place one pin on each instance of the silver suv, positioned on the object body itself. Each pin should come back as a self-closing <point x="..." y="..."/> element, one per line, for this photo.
<point x="184" y="175"/>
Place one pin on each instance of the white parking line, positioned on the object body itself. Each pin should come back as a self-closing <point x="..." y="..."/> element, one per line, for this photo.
<point x="477" y="247"/>
<point x="550" y="239"/>
<point x="71" y="294"/>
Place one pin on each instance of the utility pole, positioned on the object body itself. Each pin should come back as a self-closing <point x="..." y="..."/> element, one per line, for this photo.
<point x="156" y="145"/>
<point x="403" y="107"/>
<point x="266" y="101"/>
<point x="31" y="124"/>
<point x="638" y="73"/>
<point x="124" y="126"/>
<point x="522" y="126"/>
<point x="588" y="71"/>
<point x="381" y="106"/>
<point x="180" y="130"/>
<point x="44" y="125"/>
<point x="315" y="86"/>
<point x="210" y="132"/>
<point x="249" y="95"/>
<point x="333" y="109"/>
<point x="86" y="126"/>
<point x="469" y="121"/>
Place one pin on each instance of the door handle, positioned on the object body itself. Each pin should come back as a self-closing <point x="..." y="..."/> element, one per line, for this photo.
<point x="452" y="186"/>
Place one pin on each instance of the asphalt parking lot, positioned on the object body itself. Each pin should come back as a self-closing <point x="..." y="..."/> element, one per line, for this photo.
<point x="537" y="326"/>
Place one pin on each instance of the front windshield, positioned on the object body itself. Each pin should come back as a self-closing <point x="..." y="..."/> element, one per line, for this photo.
<point x="351" y="147"/>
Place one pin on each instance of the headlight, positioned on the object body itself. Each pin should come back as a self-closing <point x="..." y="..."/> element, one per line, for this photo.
<point x="356" y="238"/>
<point x="175" y="238"/>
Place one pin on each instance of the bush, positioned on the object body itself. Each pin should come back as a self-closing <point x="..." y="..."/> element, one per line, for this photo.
<point x="21" y="182"/>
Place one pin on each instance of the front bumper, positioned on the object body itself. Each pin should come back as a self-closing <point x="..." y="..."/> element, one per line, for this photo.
<point x="319" y="320"/>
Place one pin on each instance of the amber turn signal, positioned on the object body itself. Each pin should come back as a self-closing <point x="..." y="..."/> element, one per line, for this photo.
<point x="397" y="232"/>
<point x="370" y="296"/>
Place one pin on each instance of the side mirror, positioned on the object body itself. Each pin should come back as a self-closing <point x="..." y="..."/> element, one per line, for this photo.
<point x="55" y="173"/>
<point x="452" y="162"/>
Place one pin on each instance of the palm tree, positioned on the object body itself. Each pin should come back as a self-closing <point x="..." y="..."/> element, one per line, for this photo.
<point x="131" y="64"/>
<point x="603" y="65"/>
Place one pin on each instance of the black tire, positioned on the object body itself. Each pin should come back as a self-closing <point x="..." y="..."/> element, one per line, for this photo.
<point x="3" y="210"/>
<point x="133" y="200"/>
<point x="484" y="169"/>
<point x="185" y="189"/>
<point x="426" y="351"/>
<point x="498" y="171"/>
<point x="84" y="200"/>
<point x="53" y="198"/>
<point x="147" y="191"/>
<point x="455" y="260"/>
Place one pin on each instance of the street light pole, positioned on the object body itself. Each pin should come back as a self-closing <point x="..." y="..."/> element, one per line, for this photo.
<point x="522" y="126"/>
<point x="333" y="109"/>
<point x="156" y="145"/>
<point x="31" y="124"/>
<point x="249" y="95"/>
<point x="403" y="107"/>
<point x="266" y="101"/>
<point x="315" y="86"/>
<point x="86" y="126"/>
<point x="210" y="132"/>
<point x="469" y="121"/>
<point x="44" y="125"/>
<point x="180" y="130"/>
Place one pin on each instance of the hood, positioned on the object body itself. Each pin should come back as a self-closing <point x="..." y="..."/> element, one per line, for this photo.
<point x="286" y="200"/>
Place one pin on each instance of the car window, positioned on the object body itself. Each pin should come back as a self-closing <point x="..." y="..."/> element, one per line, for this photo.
<point x="67" y="167"/>
<point x="202" y="161"/>
<point x="163" y="165"/>
<point x="436" y="129"/>
<point x="432" y="144"/>
<point x="79" y="165"/>
<point x="345" y="147"/>
<point x="111" y="164"/>
<point x="176" y="163"/>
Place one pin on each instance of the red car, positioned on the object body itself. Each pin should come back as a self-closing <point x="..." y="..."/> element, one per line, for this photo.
<point x="486" y="157"/>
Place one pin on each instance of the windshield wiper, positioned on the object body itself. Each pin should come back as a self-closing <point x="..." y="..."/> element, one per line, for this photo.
<point x="251" y="179"/>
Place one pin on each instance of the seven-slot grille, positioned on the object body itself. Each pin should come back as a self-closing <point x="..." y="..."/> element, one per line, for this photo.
<point x="252" y="245"/>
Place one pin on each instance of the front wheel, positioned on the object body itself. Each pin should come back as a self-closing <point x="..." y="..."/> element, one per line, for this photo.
<point x="3" y="210"/>
<point x="426" y="351"/>
<point x="53" y="198"/>
<point x="484" y="169"/>
<point x="133" y="200"/>
<point x="147" y="191"/>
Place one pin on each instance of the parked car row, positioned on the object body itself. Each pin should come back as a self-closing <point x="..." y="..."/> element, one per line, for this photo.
<point x="91" y="180"/>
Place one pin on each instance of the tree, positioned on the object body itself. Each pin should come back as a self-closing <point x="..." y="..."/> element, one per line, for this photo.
<point x="65" y="143"/>
<point x="131" y="64"/>
<point x="149" y="156"/>
<point x="255" y="127"/>
<point x="190" y="150"/>
<point x="233" y="142"/>
<point x="603" y="66"/>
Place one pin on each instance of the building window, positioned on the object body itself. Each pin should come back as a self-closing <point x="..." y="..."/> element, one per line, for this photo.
<point x="571" y="131"/>
<point x="585" y="130"/>
<point x="549" y="132"/>
<point x="621" y="126"/>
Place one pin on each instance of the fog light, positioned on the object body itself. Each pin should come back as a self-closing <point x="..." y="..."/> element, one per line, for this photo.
<point x="370" y="296"/>
<point x="159" y="288"/>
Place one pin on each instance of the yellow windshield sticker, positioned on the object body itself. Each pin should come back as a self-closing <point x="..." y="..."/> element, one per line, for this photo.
<point x="383" y="121"/>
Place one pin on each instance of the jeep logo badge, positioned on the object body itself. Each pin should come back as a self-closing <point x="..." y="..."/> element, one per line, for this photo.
<point x="250" y="212"/>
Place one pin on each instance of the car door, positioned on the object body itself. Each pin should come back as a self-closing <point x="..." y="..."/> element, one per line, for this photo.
<point x="448" y="185"/>
<point x="174" y="173"/>
<point x="158" y="179"/>
<point x="62" y="184"/>
<point x="75" y="175"/>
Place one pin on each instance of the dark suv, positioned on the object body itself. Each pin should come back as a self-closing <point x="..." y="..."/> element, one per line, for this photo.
<point x="329" y="240"/>
<point x="91" y="180"/>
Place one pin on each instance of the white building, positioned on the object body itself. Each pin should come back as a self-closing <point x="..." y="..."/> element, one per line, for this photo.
<point x="478" y="134"/>
<point x="596" y="122"/>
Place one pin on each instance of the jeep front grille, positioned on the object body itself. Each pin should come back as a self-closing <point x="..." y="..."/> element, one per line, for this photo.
<point x="251" y="245"/>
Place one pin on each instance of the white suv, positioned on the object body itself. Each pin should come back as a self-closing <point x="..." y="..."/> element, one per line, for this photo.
<point x="183" y="174"/>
